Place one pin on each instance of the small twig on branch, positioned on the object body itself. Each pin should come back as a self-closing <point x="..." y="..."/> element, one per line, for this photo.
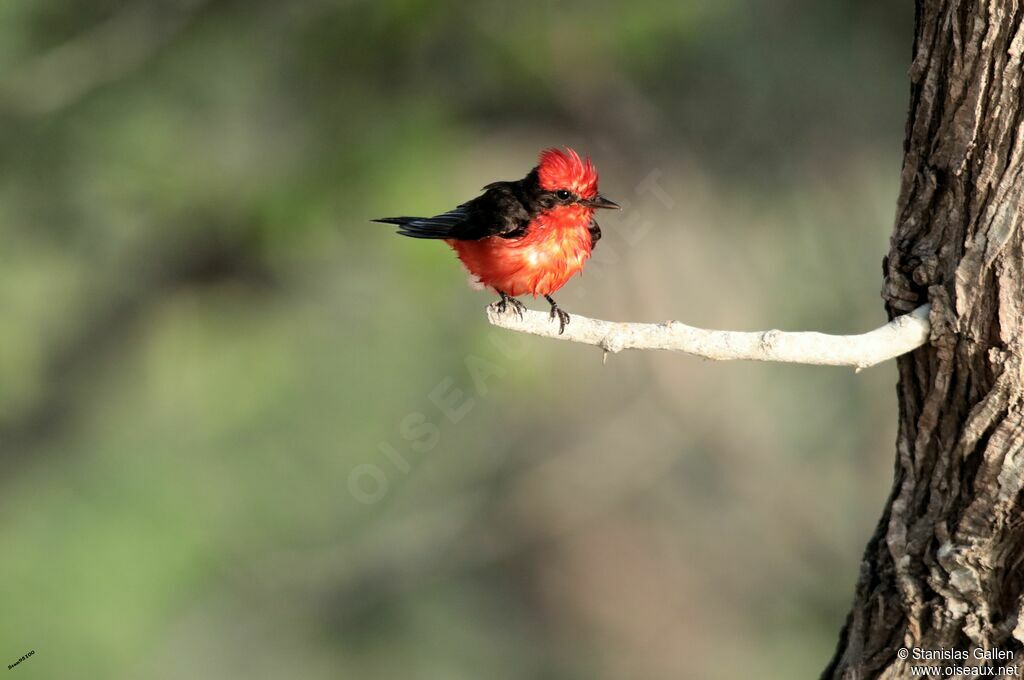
<point x="901" y="335"/>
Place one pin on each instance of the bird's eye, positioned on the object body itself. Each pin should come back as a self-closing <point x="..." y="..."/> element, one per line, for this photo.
<point x="563" y="195"/>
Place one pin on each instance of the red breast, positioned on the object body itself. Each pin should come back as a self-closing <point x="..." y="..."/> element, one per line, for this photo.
<point x="553" y="249"/>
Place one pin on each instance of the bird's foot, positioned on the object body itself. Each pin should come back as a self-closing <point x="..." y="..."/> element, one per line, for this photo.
<point x="508" y="301"/>
<point x="556" y="311"/>
<point x="563" y="318"/>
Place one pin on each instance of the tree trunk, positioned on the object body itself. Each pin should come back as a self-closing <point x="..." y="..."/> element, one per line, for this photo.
<point x="945" y="567"/>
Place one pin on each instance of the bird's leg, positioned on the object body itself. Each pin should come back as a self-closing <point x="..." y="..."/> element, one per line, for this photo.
<point x="507" y="301"/>
<point x="563" y="316"/>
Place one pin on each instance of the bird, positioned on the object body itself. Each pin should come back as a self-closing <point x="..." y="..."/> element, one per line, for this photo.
<point x="528" y="236"/>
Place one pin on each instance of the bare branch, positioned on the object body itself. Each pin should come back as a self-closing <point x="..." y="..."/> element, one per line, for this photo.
<point x="901" y="335"/>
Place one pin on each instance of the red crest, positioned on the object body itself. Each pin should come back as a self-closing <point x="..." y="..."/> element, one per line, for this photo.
<point x="560" y="169"/>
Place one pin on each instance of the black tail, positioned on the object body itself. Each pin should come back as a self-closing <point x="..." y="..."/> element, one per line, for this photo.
<point x="442" y="226"/>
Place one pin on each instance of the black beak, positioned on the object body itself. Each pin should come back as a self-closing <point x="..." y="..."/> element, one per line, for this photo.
<point x="600" y="201"/>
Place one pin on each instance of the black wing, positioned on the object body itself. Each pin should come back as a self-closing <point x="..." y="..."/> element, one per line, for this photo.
<point x="499" y="211"/>
<point x="595" y="233"/>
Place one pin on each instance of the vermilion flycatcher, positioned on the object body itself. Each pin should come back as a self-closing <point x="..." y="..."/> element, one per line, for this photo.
<point x="528" y="236"/>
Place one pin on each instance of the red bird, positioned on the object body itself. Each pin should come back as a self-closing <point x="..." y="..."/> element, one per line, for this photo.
<point x="528" y="236"/>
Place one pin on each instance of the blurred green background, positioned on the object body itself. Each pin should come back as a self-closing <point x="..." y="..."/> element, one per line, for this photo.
<point x="246" y="433"/>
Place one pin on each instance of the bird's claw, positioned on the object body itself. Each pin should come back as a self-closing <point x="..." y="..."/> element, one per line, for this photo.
<point x="506" y="301"/>
<point x="563" y="318"/>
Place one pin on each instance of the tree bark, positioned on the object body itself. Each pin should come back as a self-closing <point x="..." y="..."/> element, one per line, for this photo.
<point x="945" y="567"/>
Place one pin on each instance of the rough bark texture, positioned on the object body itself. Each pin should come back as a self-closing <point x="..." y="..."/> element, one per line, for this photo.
<point x="945" y="568"/>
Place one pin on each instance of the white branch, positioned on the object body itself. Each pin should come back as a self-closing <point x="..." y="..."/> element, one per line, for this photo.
<point x="901" y="335"/>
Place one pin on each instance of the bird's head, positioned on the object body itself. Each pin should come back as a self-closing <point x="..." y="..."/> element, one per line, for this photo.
<point x="569" y="179"/>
